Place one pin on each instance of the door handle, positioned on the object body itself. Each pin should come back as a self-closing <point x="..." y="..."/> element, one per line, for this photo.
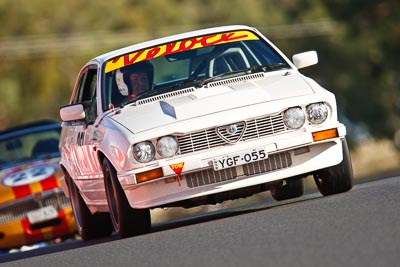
<point x="80" y="138"/>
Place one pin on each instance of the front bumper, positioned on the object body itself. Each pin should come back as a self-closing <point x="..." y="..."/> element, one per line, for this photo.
<point x="289" y="154"/>
<point x="17" y="233"/>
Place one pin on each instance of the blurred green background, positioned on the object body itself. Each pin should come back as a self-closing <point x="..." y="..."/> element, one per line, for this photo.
<point x="44" y="43"/>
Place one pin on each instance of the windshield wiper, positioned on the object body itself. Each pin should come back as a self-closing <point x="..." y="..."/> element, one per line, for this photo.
<point x="199" y="82"/>
<point x="252" y="69"/>
<point x="131" y="100"/>
<point x="180" y="85"/>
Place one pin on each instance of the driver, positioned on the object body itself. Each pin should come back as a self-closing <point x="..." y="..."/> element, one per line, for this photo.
<point x="135" y="79"/>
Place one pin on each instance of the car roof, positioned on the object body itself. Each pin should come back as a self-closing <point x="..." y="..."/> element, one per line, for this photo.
<point x="104" y="57"/>
<point x="29" y="127"/>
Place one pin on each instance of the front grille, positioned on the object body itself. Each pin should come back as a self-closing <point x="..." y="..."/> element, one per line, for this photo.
<point x="225" y="132"/>
<point x="209" y="176"/>
<point x="209" y="138"/>
<point x="19" y="209"/>
<point x="272" y="163"/>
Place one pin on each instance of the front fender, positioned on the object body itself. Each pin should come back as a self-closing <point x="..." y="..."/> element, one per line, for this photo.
<point x="115" y="145"/>
<point x="63" y="181"/>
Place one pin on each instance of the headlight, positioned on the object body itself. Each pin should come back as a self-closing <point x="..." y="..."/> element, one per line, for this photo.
<point x="167" y="146"/>
<point x="294" y="118"/>
<point x="317" y="113"/>
<point x="143" y="151"/>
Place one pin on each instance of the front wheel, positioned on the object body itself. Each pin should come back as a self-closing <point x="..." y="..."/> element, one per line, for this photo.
<point x="126" y="220"/>
<point x="90" y="226"/>
<point x="293" y="188"/>
<point x="336" y="179"/>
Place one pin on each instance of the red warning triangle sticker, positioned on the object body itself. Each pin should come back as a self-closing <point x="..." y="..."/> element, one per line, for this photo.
<point x="177" y="168"/>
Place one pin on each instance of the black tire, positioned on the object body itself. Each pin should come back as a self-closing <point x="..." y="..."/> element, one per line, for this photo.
<point x="336" y="179"/>
<point x="90" y="226"/>
<point x="126" y="220"/>
<point x="293" y="188"/>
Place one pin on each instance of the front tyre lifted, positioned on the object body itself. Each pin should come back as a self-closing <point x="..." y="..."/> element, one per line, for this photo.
<point x="336" y="179"/>
<point x="293" y="188"/>
<point x="126" y="220"/>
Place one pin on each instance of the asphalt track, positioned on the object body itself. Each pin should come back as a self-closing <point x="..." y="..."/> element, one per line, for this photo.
<point x="357" y="228"/>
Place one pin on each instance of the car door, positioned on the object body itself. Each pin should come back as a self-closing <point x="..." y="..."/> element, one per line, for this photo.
<point x="84" y="139"/>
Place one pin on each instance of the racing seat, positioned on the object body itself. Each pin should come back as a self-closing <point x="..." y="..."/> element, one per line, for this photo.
<point x="231" y="59"/>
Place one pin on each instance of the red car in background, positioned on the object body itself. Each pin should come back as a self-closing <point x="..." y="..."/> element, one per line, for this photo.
<point x="33" y="208"/>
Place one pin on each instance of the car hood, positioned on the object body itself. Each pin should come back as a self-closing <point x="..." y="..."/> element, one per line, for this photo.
<point x="216" y="98"/>
<point x="28" y="178"/>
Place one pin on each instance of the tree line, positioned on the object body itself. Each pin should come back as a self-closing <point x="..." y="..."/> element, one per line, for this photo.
<point x="44" y="43"/>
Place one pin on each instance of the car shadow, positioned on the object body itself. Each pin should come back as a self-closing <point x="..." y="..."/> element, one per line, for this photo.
<point x="226" y="212"/>
<point x="185" y="219"/>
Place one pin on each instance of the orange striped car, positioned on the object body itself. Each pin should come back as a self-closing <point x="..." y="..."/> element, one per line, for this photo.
<point x="33" y="208"/>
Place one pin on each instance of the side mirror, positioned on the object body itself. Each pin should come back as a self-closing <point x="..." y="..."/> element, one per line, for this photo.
<point x="305" y="59"/>
<point x="72" y="112"/>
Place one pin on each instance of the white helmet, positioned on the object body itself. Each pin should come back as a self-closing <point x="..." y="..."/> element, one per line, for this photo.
<point x="121" y="75"/>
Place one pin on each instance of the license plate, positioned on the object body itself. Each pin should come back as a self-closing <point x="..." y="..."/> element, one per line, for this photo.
<point x="42" y="214"/>
<point x="240" y="158"/>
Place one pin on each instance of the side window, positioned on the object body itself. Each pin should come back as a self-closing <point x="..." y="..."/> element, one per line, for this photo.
<point x="87" y="94"/>
<point x="78" y="95"/>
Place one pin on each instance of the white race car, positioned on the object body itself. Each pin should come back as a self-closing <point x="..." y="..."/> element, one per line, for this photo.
<point x="192" y="119"/>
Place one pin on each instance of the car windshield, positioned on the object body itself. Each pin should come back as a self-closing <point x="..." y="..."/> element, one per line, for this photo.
<point x="186" y="63"/>
<point x="28" y="146"/>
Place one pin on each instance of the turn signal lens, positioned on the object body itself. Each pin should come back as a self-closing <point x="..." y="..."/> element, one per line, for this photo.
<point x="326" y="134"/>
<point x="149" y="175"/>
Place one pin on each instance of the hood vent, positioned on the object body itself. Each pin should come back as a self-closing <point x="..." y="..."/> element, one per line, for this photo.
<point x="165" y="96"/>
<point x="241" y="79"/>
<point x="174" y="94"/>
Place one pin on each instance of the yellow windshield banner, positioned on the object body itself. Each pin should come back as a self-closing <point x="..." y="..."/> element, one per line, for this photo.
<point x="179" y="46"/>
